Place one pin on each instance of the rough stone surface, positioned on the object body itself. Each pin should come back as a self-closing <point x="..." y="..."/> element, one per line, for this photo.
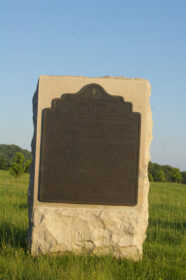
<point x="94" y="229"/>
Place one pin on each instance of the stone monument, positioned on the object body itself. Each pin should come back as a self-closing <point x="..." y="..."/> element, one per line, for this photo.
<point x="88" y="188"/>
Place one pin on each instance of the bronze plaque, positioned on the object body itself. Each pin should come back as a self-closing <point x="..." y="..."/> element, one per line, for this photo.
<point x="90" y="149"/>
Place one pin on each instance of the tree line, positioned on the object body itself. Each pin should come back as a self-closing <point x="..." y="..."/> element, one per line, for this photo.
<point x="165" y="173"/>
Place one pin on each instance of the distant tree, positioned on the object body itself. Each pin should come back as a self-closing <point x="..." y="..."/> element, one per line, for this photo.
<point x="17" y="165"/>
<point x="160" y="177"/>
<point x="152" y="169"/>
<point x="3" y="164"/>
<point x="176" y="175"/>
<point x="168" y="172"/>
<point x="183" y="177"/>
<point x="151" y="178"/>
<point x="27" y="165"/>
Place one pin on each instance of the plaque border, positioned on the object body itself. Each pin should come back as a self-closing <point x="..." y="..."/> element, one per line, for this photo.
<point x="82" y="92"/>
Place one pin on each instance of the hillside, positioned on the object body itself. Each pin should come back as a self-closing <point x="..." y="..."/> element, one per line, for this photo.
<point x="7" y="152"/>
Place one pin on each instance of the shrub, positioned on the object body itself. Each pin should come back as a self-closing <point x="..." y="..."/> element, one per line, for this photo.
<point x="17" y="165"/>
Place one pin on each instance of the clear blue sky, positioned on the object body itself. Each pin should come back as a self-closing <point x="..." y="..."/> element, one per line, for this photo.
<point x="145" y="39"/>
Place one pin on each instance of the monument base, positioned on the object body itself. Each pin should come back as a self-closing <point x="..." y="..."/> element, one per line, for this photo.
<point x="102" y="231"/>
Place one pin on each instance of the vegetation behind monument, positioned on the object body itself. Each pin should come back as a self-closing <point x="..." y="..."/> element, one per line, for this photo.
<point x="165" y="173"/>
<point x="14" y="159"/>
<point x="7" y="154"/>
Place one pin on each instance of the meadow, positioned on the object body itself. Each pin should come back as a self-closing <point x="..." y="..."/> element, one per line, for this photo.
<point x="164" y="250"/>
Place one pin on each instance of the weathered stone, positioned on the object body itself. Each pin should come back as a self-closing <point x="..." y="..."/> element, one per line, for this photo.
<point x="95" y="229"/>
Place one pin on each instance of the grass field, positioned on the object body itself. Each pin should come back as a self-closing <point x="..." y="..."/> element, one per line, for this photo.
<point x="164" y="248"/>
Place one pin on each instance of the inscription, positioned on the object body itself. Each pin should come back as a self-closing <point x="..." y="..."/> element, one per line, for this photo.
<point x="90" y="149"/>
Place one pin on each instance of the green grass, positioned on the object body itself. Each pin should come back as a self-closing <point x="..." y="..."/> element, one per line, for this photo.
<point x="164" y="248"/>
